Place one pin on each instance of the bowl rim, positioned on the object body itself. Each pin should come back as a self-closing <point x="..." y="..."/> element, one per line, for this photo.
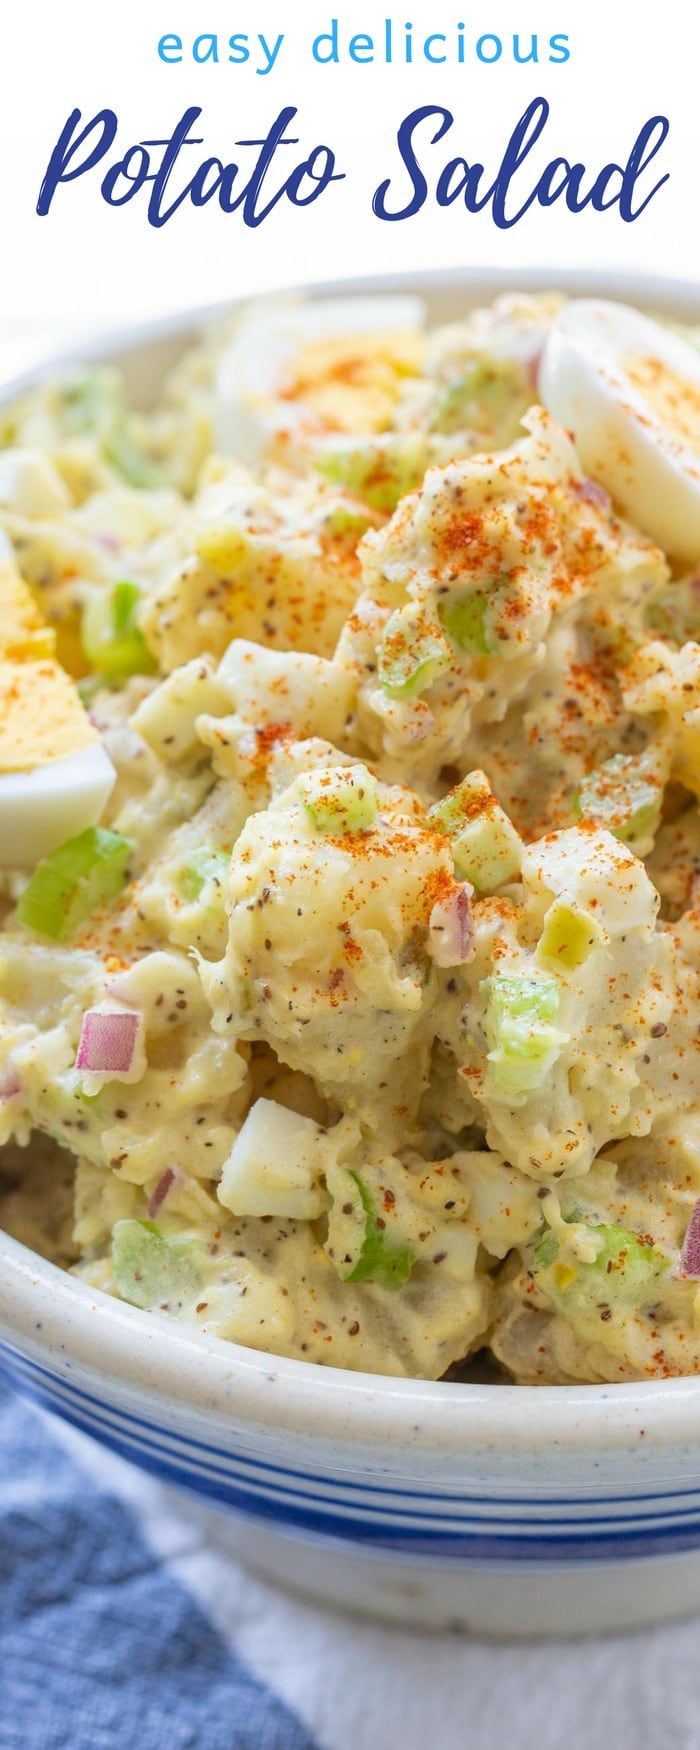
<point x="47" y="1313"/>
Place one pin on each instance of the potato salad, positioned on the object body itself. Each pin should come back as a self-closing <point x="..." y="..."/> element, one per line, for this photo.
<point x="350" y="838"/>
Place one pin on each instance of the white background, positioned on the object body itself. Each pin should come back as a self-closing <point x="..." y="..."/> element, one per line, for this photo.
<point x="86" y="261"/>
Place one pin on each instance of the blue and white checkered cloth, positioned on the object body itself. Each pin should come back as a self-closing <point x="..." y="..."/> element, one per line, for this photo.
<point x="126" y="1625"/>
<point x="99" y="1644"/>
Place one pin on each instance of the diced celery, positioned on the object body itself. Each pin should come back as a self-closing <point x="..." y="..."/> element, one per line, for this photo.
<point x="624" y="1270"/>
<point x="380" y="470"/>
<point x="546" y="1250"/>
<point x="122" y="449"/>
<point x="82" y="876"/>
<point x="149" y="1269"/>
<point x="340" y="799"/>
<point x="382" y="1259"/>
<point x="412" y="655"/>
<point x="89" y="403"/>
<point x="464" y="621"/>
<point x="350" y="520"/>
<point x="484" y="393"/>
<point x="204" y="865"/>
<point x="87" y="688"/>
<point x="459" y="806"/>
<point x="486" y="848"/>
<point x="623" y="795"/>
<point x="524" y="1043"/>
<point x="568" y="937"/>
<point x="519" y="997"/>
<point x="674" y="611"/>
<point x="112" y="641"/>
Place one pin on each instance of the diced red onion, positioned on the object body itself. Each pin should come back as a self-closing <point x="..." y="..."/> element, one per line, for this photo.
<point x="690" y="1255"/>
<point x="165" y="1184"/>
<point x="532" y="367"/>
<point x="450" y="928"/>
<point x="109" y="1041"/>
<point x="9" y="1086"/>
<point x="593" y="493"/>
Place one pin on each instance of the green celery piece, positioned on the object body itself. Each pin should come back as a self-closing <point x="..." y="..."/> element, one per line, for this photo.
<point x="204" y="864"/>
<point x="464" y="621"/>
<point x="624" y="1269"/>
<point x="340" y="800"/>
<point x="520" y="998"/>
<point x="412" y="655"/>
<point x="457" y="808"/>
<point x="87" y="688"/>
<point x="380" y="470"/>
<point x="125" y="598"/>
<point x="546" y="1250"/>
<point x="125" y="454"/>
<point x="89" y="403"/>
<point x="674" y="611"/>
<point x="622" y="796"/>
<point x="150" y="1269"/>
<point x="484" y="392"/>
<point x="382" y="1259"/>
<point x="347" y="519"/>
<point x="112" y="641"/>
<point x="486" y="848"/>
<point x="82" y="876"/>
<point x="547" y="1247"/>
<point x="520" y="1015"/>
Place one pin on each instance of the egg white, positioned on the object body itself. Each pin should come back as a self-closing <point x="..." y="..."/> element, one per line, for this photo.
<point x="265" y="344"/>
<point x="53" y="802"/>
<point x="592" y="379"/>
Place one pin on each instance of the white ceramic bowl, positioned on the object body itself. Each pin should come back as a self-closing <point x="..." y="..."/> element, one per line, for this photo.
<point x="496" y="1508"/>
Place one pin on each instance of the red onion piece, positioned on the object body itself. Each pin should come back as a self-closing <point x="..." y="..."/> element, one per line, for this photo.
<point x="109" y="1040"/>
<point x="9" y="1086"/>
<point x="532" y="368"/>
<point x="593" y="493"/>
<point x="165" y="1184"/>
<point x="450" y="928"/>
<point x="690" y="1255"/>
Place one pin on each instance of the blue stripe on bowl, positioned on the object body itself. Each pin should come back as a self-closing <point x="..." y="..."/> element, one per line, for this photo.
<point x="475" y="1535"/>
<point x="109" y="1423"/>
<point x="472" y="1546"/>
<point x="462" y="1528"/>
<point x="257" y="1469"/>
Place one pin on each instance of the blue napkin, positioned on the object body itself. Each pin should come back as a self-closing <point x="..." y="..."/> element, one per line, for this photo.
<point x="128" y="1623"/>
<point x="101" y="1647"/>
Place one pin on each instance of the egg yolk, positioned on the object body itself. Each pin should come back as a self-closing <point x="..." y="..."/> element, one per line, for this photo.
<point x="672" y="399"/>
<point x="352" y="383"/>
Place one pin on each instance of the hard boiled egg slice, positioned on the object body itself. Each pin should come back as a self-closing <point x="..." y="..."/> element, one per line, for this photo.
<point x="629" y="390"/>
<point x="53" y="802"/>
<point x="336" y="364"/>
<point x="55" y="776"/>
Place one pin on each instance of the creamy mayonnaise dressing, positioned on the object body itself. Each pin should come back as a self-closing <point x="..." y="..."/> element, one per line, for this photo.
<point x="349" y="984"/>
